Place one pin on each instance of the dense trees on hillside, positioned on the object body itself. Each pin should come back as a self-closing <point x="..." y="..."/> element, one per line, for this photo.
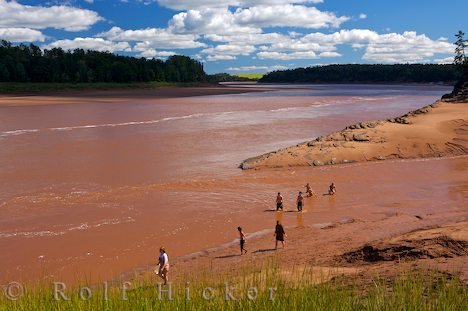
<point x="413" y="73"/>
<point x="28" y="63"/>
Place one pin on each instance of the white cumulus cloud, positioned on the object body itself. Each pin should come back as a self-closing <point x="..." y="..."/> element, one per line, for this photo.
<point x="258" y="68"/>
<point x="408" y="47"/>
<point x="21" y="35"/>
<point x="227" y="51"/>
<point x="330" y="54"/>
<point x="287" y="56"/>
<point x="183" y="5"/>
<point x="153" y="38"/>
<point x="14" y="14"/>
<point x="248" y="38"/>
<point x="287" y="16"/>
<point x="97" y="44"/>
<point x="150" y="53"/>
<point x="230" y="49"/>
<point x="209" y="21"/>
<point x="446" y="60"/>
<point x="217" y="57"/>
<point x="222" y="21"/>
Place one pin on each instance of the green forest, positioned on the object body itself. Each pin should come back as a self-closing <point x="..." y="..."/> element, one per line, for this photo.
<point x="399" y="73"/>
<point x="28" y="63"/>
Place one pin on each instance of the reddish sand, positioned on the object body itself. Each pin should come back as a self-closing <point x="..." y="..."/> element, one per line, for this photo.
<point x="433" y="131"/>
<point x="91" y="190"/>
<point x="367" y="249"/>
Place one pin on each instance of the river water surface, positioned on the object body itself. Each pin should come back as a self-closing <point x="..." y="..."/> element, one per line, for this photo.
<point x="92" y="190"/>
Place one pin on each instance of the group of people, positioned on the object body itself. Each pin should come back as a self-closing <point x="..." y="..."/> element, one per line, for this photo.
<point x="299" y="202"/>
<point x="162" y="269"/>
<point x="279" y="234"/>
<point x="300" y="197"/>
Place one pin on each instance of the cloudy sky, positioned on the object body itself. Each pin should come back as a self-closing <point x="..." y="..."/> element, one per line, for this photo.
<point x="245" y="35"/>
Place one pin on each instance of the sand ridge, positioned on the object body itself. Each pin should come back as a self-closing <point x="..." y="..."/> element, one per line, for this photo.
<point x="436" y="130"/>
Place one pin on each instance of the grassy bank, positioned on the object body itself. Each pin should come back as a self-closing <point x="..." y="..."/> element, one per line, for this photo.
<point x="8" y="88"/>
<point x="251" y="76"/>
<point x="274" y="291"/>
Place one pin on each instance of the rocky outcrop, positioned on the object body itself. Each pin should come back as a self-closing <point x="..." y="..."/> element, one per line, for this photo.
<point x="459" y="93"/>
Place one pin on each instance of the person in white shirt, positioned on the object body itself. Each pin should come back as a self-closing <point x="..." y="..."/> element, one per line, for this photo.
<point x="163" y="265"/>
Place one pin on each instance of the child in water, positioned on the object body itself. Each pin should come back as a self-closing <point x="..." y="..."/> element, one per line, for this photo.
<point x="309" y="192"/>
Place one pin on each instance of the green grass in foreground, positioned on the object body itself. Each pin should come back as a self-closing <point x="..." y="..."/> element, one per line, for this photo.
<point x="410" y="291"/>
<point x="253" y="76"/>
<point x="6" y="87"/>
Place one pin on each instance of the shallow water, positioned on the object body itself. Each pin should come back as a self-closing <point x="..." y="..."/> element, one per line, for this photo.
<point x="96" y="188"/>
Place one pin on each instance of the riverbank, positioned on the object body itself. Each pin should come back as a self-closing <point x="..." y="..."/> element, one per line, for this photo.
<point x="436" y="130"/>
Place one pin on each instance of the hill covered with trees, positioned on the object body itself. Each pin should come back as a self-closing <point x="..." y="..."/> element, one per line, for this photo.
<point x="399" y="73"/>
<point x="28" y="63"/>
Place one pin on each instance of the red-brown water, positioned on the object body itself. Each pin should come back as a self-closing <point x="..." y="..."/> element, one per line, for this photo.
<point x="92" y="190"/>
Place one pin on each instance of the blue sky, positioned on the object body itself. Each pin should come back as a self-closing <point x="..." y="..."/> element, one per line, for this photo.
<point x="245" y="35"/>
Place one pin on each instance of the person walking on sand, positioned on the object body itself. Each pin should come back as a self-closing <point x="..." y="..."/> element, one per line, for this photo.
<point x="332" y="189"/>
<point x="309" y="191"/>
<point x="163" y="265"/>
<point x="242" y="241"/>
<point x="279" y="234"/>
<point x="300" y="202"/>
<point x="279" y="202"/>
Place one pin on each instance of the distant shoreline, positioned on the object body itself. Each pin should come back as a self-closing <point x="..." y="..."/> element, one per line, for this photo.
<point x="13" y="88"/>
<point x="77" y="96"/>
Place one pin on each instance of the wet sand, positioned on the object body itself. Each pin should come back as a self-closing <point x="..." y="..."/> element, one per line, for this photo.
<point x="362" y="249"/>
<point x="91" y="191"/>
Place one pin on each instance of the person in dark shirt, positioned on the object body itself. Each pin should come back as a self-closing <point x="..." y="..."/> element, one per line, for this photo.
<point x="279" y="234"/>
<point x="279" y="202"/>
<point x="300" y="202"/>
<point x="242" y="241"/>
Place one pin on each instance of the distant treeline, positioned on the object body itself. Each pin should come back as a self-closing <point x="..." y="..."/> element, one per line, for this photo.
<point x="28" y="63"/>
<point x="400" y="73"/>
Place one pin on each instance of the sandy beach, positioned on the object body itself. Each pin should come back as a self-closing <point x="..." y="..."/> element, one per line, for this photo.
<point x="437" y="130"/>
<point x="363" y="250"/>
<point x="108" y="184"/>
